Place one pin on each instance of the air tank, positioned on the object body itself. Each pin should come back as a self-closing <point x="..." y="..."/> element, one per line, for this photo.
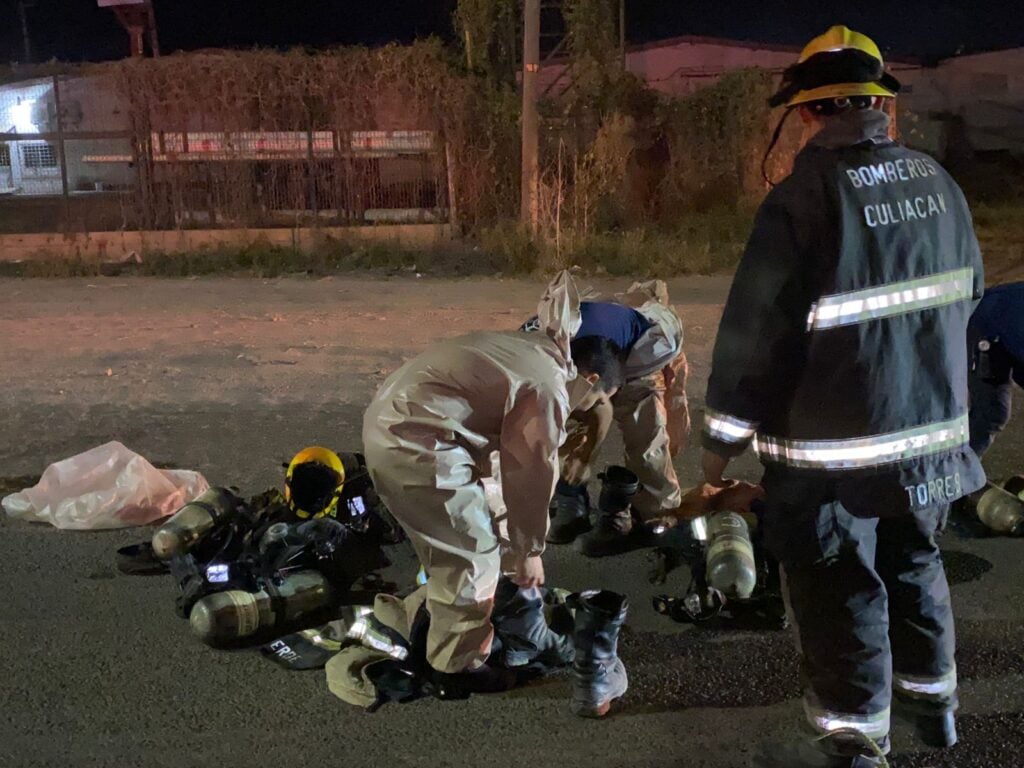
<point x="226" y="616"/>
<point x="1000" y="511"/>
<point x="181" y="532"/>
<point x="730" y="556"/>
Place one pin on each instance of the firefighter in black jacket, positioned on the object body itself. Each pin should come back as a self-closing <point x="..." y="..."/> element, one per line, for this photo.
<point x="841" y="356"/>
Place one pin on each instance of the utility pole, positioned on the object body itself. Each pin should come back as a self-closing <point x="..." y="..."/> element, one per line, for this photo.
<point x="622" y="32"/>
<point x="25" y="39"/>
<point x="530" y="207"/>
<point x="139" y="21"/>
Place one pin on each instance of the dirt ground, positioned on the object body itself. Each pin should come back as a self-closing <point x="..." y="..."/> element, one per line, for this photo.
<point x="231" y="377"/>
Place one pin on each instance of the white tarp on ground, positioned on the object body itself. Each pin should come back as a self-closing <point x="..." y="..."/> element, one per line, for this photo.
<point x="106" y="487"/>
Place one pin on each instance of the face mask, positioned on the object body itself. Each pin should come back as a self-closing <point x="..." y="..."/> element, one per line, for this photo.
<point x="578" y="389"/>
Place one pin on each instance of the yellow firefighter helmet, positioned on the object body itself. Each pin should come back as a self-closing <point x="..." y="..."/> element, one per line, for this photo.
<point x="839" y="64"/>
<point x="313" y="483"/>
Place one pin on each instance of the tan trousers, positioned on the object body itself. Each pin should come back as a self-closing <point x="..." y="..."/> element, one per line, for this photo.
<point x="437" y="497"/>
<point x="643" y="420"/>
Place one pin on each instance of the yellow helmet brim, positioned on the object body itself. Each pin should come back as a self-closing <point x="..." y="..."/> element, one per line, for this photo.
<point x="840" y="91"/>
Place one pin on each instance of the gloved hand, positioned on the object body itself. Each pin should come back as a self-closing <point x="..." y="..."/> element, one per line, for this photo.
<point x="590" y="429"/>
<point x="529" y="572"/>
<point x="733" y="495"/>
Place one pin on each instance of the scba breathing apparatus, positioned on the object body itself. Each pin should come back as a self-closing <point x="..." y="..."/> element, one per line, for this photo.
<point x="242" y="566"/>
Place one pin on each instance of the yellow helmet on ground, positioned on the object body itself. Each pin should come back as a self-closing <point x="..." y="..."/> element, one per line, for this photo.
<point x="313" y="483"/>
<point x="839" y="64"/>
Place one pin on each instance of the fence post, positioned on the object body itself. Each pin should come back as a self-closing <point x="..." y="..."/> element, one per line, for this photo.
<point x="453" y="208"/>
<point x="61" y="157"/>
<point x="530" y="211"/>
<point x="311" y="170"/>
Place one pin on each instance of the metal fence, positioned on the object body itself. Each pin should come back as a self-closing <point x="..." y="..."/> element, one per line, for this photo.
<point x="70" y="161"/>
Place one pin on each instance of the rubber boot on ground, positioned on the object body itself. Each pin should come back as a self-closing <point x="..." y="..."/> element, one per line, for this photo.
<point x="935" y="726"/>
<point x="612" y="535"/>
<point x="482" y="679"/>
<point x="614" y="532"/>
<point x="571" y="505"/>
<point x="836" y="751"/>
<point x="524" y="634"/>
<point x="598" y="674"/>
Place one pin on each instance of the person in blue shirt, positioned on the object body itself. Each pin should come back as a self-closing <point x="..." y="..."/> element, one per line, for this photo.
<point x="651" y="412"/>
<point x="995" y="338"/>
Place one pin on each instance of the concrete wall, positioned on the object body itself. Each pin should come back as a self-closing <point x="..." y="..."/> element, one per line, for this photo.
<point x="984" y="91"/>
<point x="119" y="246"/>
<point x="680" y="68"/>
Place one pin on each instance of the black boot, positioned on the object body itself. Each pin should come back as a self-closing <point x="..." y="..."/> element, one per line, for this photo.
<point x="525" y="637"/>
<point x="571" y="504"/>
<point x="835" y="752"/>
<point x="614" y="532"/>
<point x="483" y="679"/>
<point x="937" y="731"/>
<point x="935" y="727"/>
<point x="598" y="675"/>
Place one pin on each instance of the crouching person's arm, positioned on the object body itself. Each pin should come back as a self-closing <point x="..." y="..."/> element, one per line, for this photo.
<point x="587" y="437"/>
<point x="531" y="433"/>
<point x="676" y="404"/>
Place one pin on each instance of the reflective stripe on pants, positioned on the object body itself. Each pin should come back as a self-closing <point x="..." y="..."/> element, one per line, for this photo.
<point x="924" y="688"/>
<point x="875" y="726"/>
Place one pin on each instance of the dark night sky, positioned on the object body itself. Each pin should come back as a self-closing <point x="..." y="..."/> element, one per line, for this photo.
<point x="76" y="29"/>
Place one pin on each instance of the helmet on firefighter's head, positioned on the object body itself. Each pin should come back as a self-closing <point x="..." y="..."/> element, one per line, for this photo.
<point x="313" y="483"/>
<point x="839" y="65"/>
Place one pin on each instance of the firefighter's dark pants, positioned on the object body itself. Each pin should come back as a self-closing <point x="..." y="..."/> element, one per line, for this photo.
<point x="872" y="607"/>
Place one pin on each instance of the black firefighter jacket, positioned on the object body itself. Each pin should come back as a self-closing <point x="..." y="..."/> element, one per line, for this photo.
<point x="841" y="353"/>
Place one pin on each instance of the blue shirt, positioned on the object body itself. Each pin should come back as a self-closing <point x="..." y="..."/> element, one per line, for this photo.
<point x="620" y="324"/>
<point x="1000" y="315"/>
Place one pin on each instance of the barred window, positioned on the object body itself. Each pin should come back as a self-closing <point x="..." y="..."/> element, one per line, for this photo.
<point x="5" y="155"/>
<point x="38" y="156"/>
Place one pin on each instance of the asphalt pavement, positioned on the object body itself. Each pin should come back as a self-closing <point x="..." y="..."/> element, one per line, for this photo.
<point x="98" y="670"/>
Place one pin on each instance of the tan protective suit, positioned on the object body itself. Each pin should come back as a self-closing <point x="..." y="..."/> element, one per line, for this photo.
<point x="651" y="409"/>
<point x="428" y="436"/>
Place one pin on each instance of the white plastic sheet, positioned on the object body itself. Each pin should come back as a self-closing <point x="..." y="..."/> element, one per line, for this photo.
<point x="106" y="487"/>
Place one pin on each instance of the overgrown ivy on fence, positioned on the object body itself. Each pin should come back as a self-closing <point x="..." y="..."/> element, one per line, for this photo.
<point x="635" y="158"/>
<point x="417" y="87"/>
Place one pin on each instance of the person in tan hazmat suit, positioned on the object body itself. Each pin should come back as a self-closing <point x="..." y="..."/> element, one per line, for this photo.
<point x="650" y="410"/>
<point x="429" y="436"/>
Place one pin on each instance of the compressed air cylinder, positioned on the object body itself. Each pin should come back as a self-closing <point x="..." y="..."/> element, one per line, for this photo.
<point x="730" y="556"/>
<point x="1015" y="485"/>
<point x="225" y="616"/>
<point x="180" y="533"/>
<point x="1000" y="511"/>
